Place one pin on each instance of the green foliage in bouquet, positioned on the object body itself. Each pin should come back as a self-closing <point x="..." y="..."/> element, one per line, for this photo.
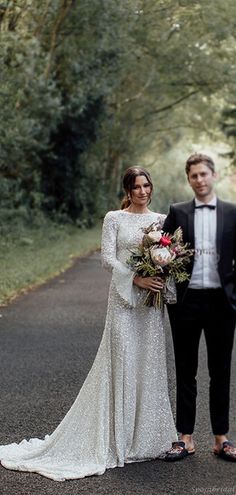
<point x="177" y="255"/>
<point x="164" y="255"/>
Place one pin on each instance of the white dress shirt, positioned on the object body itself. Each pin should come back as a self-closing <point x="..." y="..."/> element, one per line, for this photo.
<point x="205" y="274"/>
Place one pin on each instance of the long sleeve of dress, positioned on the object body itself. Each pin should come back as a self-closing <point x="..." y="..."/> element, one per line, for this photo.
<point x="122" y="276"/>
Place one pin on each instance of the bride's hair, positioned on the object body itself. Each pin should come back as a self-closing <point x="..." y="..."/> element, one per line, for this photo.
<point x="128" y="183"/>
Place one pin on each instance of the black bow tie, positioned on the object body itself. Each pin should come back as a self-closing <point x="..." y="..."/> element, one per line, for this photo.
<point x="211" y="207"/>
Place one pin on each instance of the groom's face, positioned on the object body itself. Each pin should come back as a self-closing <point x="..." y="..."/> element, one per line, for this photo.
<point x="201" y="179"/>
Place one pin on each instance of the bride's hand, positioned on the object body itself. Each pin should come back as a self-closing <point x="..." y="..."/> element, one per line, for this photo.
<point x="149" y="283"/>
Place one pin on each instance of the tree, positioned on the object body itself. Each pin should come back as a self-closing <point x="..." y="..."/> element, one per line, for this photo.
<point x="88" y="87"/>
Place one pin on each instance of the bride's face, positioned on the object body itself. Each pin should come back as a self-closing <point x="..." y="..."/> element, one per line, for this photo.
<point x="141" y="192"/>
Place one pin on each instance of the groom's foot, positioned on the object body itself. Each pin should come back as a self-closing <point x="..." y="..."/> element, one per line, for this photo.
<point x="224" y="449"/>
<point x="178" y="452"/>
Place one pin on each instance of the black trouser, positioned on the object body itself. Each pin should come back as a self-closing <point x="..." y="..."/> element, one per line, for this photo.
<point x="207" y="310"/>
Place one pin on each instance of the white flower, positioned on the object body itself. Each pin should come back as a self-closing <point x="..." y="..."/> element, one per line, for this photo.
<point x="161" y="256"/>
<point x="154" y="235"/>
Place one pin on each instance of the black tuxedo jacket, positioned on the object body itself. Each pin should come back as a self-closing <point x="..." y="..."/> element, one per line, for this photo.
<point x="182" y="214"/>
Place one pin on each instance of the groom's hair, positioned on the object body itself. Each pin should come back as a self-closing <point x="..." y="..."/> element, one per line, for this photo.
<point x="196" y="158"/>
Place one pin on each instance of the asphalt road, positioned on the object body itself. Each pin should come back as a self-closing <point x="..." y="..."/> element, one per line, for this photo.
<point x="48" y="341"/>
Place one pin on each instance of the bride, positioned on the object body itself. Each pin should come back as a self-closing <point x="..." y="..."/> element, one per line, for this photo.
<point x="122" y="413"/>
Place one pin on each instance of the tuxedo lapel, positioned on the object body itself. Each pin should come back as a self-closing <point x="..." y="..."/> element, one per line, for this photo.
<point x="190" y="213"/>
<point x="219" y="225"/>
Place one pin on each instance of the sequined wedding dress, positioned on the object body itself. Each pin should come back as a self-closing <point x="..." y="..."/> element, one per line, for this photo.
<point x="122" y="413"/>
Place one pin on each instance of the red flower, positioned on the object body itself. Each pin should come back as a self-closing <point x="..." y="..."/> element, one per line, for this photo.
<point x="165" y="240"/>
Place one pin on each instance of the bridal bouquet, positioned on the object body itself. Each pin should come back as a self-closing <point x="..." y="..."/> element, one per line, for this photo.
<point x="163" y="255"/>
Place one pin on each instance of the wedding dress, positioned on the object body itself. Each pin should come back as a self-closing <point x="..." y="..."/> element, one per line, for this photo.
<point x="122" y="413"/>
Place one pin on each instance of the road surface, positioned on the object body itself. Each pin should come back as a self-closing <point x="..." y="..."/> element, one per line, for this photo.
<point x="48" y="341"/>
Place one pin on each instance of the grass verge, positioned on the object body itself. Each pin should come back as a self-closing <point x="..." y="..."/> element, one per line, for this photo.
<point x="30" y="256"/>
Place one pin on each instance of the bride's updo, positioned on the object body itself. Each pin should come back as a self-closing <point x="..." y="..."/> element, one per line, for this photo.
<point x="128" y="183"/>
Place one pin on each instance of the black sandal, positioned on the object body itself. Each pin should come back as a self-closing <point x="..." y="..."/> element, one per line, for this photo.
<point x="227" y="452"/>
<point x="177" y="452"/>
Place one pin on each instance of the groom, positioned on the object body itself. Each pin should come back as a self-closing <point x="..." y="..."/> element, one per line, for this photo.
<point x="206" y="302"/>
